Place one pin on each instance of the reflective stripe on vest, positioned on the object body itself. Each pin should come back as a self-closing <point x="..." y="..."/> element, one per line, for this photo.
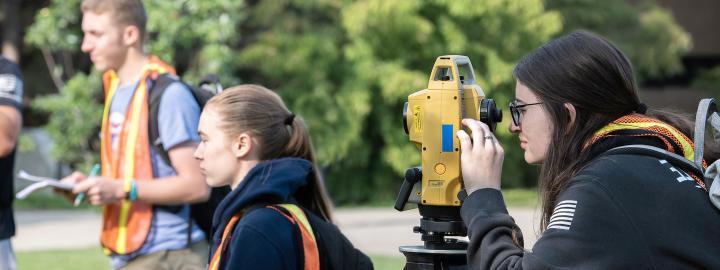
<point x="310" y="249"/>
<point x="297" y="216"/>
<point x="126" y="224"/>
<point x="656" y="128"/>
<point x="215" y="262"/>
<point x="685" y="142"/>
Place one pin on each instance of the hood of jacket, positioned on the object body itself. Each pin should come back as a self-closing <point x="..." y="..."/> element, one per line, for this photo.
<point x="269" y="182"/>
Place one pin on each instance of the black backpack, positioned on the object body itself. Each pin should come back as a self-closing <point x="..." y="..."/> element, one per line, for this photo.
<point x="201" y="213"/>
<point x="336" y="250"/>
<point x="707" y="112"/>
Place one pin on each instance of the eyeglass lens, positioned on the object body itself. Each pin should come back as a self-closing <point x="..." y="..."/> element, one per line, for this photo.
<point x="515" y="113"/>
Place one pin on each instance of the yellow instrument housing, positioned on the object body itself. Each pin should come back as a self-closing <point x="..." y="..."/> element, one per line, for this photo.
<point x="433" y="118"/>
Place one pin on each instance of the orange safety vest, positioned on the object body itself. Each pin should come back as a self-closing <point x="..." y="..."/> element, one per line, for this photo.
<point x="658" y="129"/>
<point x="126" y="224"/>
<point x="297" y="217"/>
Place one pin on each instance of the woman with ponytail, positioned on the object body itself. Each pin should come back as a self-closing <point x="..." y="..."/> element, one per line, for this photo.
<point x="278" y="213"/>
<point x="576" y="98"/>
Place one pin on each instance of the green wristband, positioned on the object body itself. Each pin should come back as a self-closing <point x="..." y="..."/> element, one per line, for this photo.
<point x="133" y="191"/>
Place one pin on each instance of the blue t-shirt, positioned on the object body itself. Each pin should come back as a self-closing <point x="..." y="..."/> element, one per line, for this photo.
<point x="178" y="117"/>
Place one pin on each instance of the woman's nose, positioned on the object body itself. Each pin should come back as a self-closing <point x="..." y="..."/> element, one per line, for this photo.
<point x="513" y="128"/>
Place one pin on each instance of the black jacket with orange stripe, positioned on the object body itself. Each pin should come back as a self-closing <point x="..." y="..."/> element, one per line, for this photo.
<point x="619" y="212"/>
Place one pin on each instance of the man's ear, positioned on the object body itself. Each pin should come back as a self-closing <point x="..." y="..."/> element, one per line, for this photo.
<point x="572" y="113"/>
<point x="242" y="145"/>
<point x="131" y="35"/>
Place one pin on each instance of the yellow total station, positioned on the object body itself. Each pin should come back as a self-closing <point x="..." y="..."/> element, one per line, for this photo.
<point x="433" y="116"/>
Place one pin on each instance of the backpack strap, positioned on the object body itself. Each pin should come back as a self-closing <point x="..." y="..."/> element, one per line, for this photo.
<point x="675" y="159"/>
<point x="156" y="92"/>
<point x="706" y="112"/>
<point x="159" y="85"/>
<point x="201" y="96"/>
<point x="647" y="150"/>
<point x="297" y="217"/>
<point x="217" y="256"/>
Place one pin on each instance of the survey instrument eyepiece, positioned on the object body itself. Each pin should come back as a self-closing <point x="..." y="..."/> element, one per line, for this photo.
<point x="490" y="114"/>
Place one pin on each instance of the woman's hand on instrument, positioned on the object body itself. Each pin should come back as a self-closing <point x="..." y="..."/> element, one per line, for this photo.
<point x="481" y="158"/>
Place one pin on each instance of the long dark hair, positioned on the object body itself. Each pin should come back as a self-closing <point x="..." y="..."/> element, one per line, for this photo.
<point x="593" y="75"/>
<point x="260" y="111"/>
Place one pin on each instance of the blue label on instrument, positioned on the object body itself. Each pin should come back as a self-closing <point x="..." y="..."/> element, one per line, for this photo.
<point x="447" y="138"/>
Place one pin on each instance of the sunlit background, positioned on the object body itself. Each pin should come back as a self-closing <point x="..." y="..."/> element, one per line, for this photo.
<point x="346" y="67"/>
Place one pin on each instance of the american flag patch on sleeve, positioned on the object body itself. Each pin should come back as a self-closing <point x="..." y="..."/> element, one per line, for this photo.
<point x="562" y="216"/>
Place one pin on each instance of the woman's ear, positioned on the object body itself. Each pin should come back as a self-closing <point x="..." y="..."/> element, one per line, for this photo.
<point x="572" y="113"/>
<point x="243" y="145"/>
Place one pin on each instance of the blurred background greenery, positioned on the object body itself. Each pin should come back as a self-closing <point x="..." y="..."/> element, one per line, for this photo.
<point x="345" y="66"/>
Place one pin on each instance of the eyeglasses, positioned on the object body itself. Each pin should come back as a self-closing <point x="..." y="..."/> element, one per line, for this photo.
<point x="515" y="111"/>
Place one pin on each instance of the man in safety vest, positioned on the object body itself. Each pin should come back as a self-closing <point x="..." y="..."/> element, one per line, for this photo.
<point x="143" y="227"/>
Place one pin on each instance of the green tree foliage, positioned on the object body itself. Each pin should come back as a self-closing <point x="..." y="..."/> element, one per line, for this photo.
<point x="75" y="121"/>
<point x="647" y="33"/>
<point x="396" y="42"/>
<point x="349" y="71"/>
<point x="345" y="66"/>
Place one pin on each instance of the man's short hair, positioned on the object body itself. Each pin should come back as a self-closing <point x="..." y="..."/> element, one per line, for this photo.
<point x="125" y="12"/>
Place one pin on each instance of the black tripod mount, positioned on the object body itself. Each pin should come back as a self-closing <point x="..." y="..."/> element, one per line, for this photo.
<point x="437" y="222"/>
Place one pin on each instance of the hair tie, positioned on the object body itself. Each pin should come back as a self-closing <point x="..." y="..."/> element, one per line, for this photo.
<point x="290" y="118"/>
<point x="641" y="108"/>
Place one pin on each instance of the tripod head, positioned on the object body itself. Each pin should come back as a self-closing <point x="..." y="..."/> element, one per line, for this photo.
<point x="437" y="222"/>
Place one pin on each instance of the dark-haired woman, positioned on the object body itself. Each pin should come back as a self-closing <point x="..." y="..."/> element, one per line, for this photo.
<point x="278" y="213"/>
<point x="576" y="98"/>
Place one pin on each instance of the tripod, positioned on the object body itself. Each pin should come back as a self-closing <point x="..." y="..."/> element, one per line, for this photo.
<point x="437" y="222"/>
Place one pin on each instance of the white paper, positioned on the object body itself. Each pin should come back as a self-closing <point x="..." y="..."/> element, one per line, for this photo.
<point x="39" y="182"/>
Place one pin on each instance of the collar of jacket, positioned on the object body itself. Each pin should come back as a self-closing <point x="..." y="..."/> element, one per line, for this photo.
<point x="273" y="181"/>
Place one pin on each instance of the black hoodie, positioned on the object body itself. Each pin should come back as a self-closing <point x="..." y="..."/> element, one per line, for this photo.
<point x="619" y="212"/>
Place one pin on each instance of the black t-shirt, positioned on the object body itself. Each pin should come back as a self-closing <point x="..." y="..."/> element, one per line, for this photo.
<point x="10" y="95"/>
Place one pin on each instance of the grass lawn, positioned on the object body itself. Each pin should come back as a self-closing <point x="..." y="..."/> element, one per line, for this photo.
<point x="516" y="197"/>
<point x="388" y="262"/>
<point x="521" y="197"/>
<point x="80" y="259"/>
<point x="93" y="259"/>
<point x="47" y="200"/>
